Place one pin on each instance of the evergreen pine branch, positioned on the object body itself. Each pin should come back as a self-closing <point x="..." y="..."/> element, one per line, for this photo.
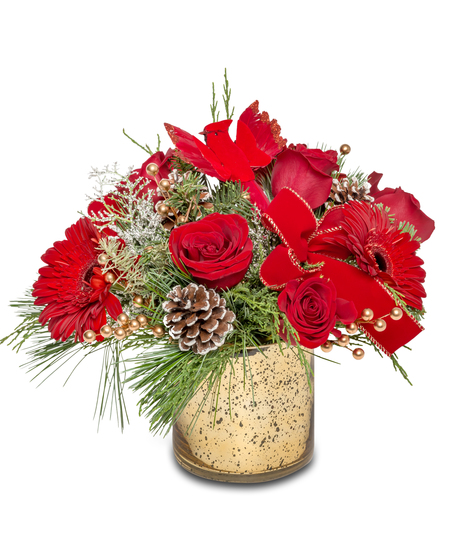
<point x="45" y="356"/>
<point x="111" y="384"/>
<point x="227" y="198"/>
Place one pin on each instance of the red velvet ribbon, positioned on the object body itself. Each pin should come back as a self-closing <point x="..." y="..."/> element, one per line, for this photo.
<point x="302" y="237"/>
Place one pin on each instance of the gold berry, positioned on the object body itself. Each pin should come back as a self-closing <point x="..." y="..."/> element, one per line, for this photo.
<point x="109" y="277"/>
<point x="138" y="301"/>
<point x="396" y="313"/>
<point x="103" y="259"/>
<point x="119" y="333"/>
<point x="344" y="340"/>
<point x="345" y="149"/>
<point x="123" y="319"/>
<point x="380" y="325"/>
<point x="106" y="331"/>
<point x="164" y="184"/>
<point x="158" y="331"/>
<point x="181" y="219"/>
<point x="352" y="328"/>
<point x="163" y="209"/>
<point x="358" y="353"/>
<point x="90" y="336"/>
<point x="327" y="347"/>
<point x="142" y="319"/>
<point x="134" y="325"/>
<point x="367" y="314"/>
<point x="245" y="195"/>
<point x="152" y="169"/>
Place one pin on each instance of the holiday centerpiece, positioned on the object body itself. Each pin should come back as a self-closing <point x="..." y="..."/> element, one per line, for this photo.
<point x="207" y="277"/>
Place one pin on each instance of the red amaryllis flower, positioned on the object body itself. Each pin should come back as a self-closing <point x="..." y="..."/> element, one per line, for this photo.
<point x="306" y="171"/>
<point x="381" y="249"/>
<point x="404" y="206"/>
<point x="72" y="286"/>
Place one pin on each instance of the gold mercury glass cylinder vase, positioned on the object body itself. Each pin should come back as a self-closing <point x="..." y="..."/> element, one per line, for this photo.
<point x="256" y="437"/>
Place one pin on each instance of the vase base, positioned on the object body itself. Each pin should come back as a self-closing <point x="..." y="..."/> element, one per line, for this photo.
<point x="193" y="465"/>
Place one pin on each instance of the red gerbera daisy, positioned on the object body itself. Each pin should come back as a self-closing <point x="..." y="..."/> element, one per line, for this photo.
<point x="72" y="286"/>
<point x="381" y="250"/>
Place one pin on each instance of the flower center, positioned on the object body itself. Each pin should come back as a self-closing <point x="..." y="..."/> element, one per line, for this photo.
<point x="88" y="274"/>
<point x="382" y="259"/>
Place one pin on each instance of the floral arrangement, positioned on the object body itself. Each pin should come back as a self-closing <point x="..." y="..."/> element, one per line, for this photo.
<point x="215" y="246"/>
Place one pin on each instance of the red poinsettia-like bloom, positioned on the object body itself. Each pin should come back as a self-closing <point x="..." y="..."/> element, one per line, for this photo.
<point x="72" y="286"/>
<point x="382" y="250"/>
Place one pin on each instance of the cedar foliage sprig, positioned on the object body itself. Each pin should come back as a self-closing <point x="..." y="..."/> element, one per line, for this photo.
<point x="214" y="105"/>
<point x="146" y="148"/>
<point x="227" y="95"/>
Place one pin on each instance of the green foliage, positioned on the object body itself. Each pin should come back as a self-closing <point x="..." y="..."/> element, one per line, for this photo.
<point x="399" y="300"/>
<point x="360" y="339"/>
<point x="227" y="96"/>
<point x="167" y="379"/>
<point x="146" y="148"/>
<point x="226" y="99"/>
<point x="45" y="356"/>
<point x="185" y="199"/>
<point x="214" y="105"/>
<point x="227" y="198"/>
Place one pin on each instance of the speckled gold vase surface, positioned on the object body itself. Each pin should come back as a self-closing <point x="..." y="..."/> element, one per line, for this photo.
<point x="251" y="442"/>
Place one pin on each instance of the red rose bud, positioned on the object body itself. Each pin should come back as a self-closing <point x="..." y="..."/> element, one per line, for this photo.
<point x="216" y="250"/>
<point x="404" y="206"/>
<point x="312" y="308"/>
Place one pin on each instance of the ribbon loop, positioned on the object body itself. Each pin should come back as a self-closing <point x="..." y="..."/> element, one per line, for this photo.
<point x="303" y="237"/>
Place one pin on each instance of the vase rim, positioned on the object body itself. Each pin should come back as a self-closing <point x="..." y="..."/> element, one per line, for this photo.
<point x="267" y="346"/>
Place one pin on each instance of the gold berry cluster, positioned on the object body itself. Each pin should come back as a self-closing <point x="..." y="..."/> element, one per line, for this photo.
<point x="126" y="326"/>
<point x="169" y="214"/>
<point x="104" y="260"/>
<point x="367" y="317"/>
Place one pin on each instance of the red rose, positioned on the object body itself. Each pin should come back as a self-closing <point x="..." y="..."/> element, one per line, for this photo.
<point x="306" y="171"/>
<point x="312" y="308"/>
<point x="404" y="206"/>
<point x="216" y="250"/>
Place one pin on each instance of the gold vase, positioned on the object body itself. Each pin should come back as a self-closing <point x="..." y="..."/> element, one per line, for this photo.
<point x="259" y="436"/>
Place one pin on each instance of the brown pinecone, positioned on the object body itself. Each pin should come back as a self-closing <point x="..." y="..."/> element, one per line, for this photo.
<point x="198" y="318"/>
<point x="347" y="190"/>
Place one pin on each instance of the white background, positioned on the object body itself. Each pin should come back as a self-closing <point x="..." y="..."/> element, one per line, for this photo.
<point x="387" y="476"/>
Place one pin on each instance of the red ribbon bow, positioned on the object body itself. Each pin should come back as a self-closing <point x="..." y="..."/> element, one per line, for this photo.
<point x="303" y="242"/>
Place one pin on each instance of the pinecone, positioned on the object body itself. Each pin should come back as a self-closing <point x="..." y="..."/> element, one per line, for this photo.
<point x="347" y="190"/>
<point x="198" y="318"/>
